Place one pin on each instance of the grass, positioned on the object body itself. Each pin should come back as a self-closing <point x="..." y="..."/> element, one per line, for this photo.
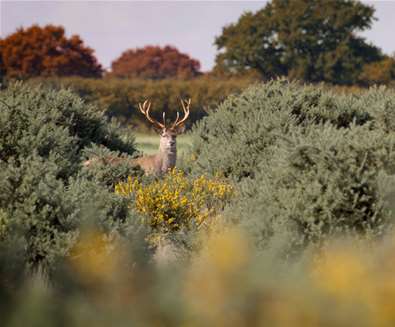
<point x="149" y="143"/>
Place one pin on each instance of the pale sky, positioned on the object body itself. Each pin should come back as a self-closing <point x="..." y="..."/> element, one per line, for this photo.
<point x="110" y="27"/>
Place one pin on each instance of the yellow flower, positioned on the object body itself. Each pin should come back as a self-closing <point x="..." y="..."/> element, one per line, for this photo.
<point x="176" y="200"/>
<point x="92" y="258"/>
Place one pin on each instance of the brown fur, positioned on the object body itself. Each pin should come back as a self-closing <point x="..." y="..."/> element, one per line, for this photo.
<point x="157" y="164"/>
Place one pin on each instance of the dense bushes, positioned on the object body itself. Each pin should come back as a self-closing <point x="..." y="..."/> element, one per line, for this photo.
<point x="119" y="98"/>
<point x="308" y="162"/>
<point x="45" y="194"/>
<point x="304" y="165"/>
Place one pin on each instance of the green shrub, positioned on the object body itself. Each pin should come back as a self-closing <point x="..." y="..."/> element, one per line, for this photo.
<point x="119" y="98"/>
<point x="306" y="161"/>
<point x="44" y="137"/>
<point x="319" y="182"/>
<point x="107" y="174"/>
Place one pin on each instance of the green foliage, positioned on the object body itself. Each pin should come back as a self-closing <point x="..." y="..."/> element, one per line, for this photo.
<point x="306" y="161"/>
<point x="120" y="98"/>
<point x="245" y="126"/>
<point x="44" y="137"/>
<point x="65" y="126"/>
<point x="306" y="164"/>
<point x="306" y="40"/>
<point x="108" y="174"/>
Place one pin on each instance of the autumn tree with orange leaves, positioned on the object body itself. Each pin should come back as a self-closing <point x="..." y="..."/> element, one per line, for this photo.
<point x="154" y="62"/>
<point x="46" y="51"/>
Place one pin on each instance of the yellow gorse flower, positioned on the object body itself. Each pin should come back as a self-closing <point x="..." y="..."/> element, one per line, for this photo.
<point x="176" y="200"/>
<point x="92" y="259"/>
<point x="361" y="277"/>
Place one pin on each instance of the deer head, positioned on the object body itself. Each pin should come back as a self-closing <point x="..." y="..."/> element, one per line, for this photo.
<point x="168" y="132"/>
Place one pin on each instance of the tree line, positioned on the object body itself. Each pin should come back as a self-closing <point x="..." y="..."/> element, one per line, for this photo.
<point x="313" y="41"/>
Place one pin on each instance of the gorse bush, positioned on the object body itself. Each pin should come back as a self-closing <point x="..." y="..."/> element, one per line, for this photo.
<point x="107" y="174"/>
<point x="45" y="194"/>
<point x="307" y="163"/>
<point x="244" y="127"/>
<point x="66" y="123"/>
<point x="319" y="182"/>
<point x="176" y="201"/>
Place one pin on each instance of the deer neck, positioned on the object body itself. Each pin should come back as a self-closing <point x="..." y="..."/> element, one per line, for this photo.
<point x="167" y="156"/>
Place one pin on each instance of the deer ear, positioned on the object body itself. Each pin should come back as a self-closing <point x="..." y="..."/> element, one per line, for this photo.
<point x="157" y="129"/>
<point x="179" y="129"/>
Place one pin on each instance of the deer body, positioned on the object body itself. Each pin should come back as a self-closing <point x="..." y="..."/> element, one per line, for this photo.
<point x="165" y="159"/>
<point x="161" y="162"/>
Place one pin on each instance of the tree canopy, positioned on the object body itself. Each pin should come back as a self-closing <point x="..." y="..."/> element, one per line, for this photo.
<point x="46" y="51"/>
<point x="303" y="39"/>
<point x="154" y="62"/>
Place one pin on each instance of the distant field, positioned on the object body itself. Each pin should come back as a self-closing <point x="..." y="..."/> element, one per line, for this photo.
<point x="149" y="143"/>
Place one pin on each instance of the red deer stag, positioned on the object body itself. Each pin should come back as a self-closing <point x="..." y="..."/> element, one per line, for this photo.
<point x="166" y="158"/>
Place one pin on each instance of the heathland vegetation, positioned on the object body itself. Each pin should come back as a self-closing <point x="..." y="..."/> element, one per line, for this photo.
<point x="280" y="210"/>
<point x="249" y="219"/>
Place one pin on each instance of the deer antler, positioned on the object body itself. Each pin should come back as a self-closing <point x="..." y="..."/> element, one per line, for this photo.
<point x="185" y="106"/>
<point x="144" y="108"/>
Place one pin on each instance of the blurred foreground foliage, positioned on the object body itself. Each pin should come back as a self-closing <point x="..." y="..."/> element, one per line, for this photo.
<point x="225" y="283"/>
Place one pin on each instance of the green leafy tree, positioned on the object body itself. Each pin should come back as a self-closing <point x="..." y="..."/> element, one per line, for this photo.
<point x="46" y="51"/>
<point x="302" y="39"/>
